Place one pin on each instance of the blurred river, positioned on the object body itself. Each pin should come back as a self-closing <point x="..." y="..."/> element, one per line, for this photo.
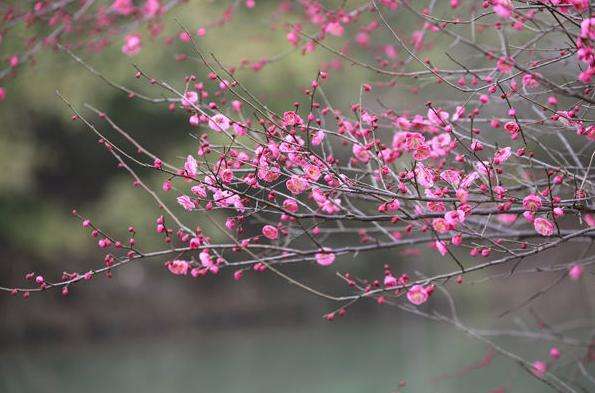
<point x="345" y="356"/>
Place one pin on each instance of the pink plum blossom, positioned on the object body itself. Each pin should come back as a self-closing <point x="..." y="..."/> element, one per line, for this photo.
<point x="417" y="294"/>
<point x="543" y="226"/>
<point x="190" y="98"/>
<point x="334" y="28"/>
<point x="151" y="8"/>
<point x="588" y="29"/>
<point x="291" y="119"/>
<point x="270" y="232"/>
<point x="219" y="123"/>
<point x="186" y="202"/>
<point x="539" y="368"/>
<point x="441" y="247"/>
<point x="191" y="166"/>
<point x="502" y="155"/>
<point x="325" y="258"/>
<point x="132" y="44"/>
<point x="123" y="7"/>
<point x="361" y="153"/>
<point x="297" y="184"/>
<point x="503" y="8"/>
<point x="554" y="353"/>
<point x="575" y="272"/>
<point x="178" y="267"/>
<point x="532" y="202"/>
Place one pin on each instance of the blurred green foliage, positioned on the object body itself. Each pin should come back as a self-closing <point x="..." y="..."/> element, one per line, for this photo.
<point x="52" y="164"/>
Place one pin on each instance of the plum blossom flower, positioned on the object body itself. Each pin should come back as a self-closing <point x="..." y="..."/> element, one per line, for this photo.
<point x="529" y="215"/>
<point x="503" y="8"/>
<point x="469" y="180"/>
<point x="424" y="175"/>
<point x="393" y="205"/>
<point x="318" y="138"/>
<point x="205" y="259"/>
<point x="312" y="172"/>
<point x="390" y="281"/>
<point x="450" y="176"/>
<point x="555" y="353"/>
<point x="270" y="232"/>
<point x="296" y="185"/>
<point x="530" y="81"/>
<point x="123" y="7"/>
<point x="219" y="123"/>
<point x="512" y="128"/>
<point x="422" y="152"/>
<point x="194" y="120"/>
<point x="440" y="225"/>
<point x="14" y="61"/>
<point x="441" y="144"/>
<point x="325" y="258"/>
<point x="361" y="153"/>
<point x="334" y="28"/>
<point x="413" y="140"/>
<point x="294" y="35"/>
<point x="403" y="123"/>
<point x="291" y="119"/>
<point x="390" y="51"/>
<point x="268" y="173"/>
<point x="504" y="65"/>
<point x="482" y="167"/>
<point x="132" y="44"/>
<point x="328" y="205"/>
<point x="178" y="267"/>
<point x="369" y="118"/>
<point x="191" y="166"/>
<point x="462" y="195"/>
<point x="454" y="217"/>
<point x="532" y="202"/>
<point x="186" y="202"/>
<point x="459" y="112"/>
<point x="239" y="129"/>
<point x="575" y="272"/>
<point x="438" y="117"/>
<point x="543" y="226"/>
<point x="558" y="212"/>
<point x="539" y="368"/>
<point x="500" y="191"/>
<point x="290" y="205"/>
<point x="226" y="175"/>
<point x="502" y="155"/>
<point x="441" y="247"/>
<point x="417" y="39"/>
<point x="476" y="145"/>
<point x="151" y="8"/>
<point x="417" y="294"/>
<point x="199" y="191"/>
<point x="588" y="29"/>
<point x="190" y="98"/>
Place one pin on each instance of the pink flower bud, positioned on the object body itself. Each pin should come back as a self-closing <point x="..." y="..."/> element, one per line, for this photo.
<point x="555" y="353"/>
<point x="575" y="272"/>
<point x="270" y="232"/>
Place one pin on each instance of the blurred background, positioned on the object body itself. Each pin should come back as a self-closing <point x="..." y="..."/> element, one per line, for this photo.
<point x="147" y="330"/>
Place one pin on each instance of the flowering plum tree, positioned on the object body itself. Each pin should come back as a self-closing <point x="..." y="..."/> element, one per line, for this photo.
<point x="492" y="172"/>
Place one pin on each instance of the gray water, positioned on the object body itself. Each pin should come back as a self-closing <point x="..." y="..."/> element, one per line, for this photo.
<point x="342" y="357"/>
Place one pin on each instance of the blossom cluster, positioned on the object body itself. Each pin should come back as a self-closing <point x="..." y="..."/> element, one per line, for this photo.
<point x="483" y="177"/>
